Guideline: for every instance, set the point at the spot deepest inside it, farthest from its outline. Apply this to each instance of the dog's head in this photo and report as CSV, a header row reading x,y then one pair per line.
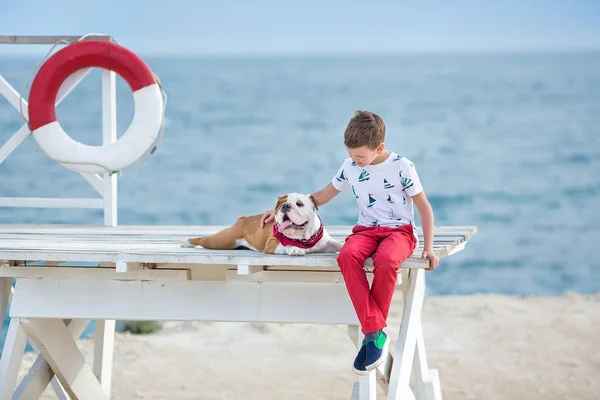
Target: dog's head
x,y
295,215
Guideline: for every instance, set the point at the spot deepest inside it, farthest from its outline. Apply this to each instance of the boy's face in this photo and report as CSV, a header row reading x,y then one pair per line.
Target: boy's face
x,y
364,155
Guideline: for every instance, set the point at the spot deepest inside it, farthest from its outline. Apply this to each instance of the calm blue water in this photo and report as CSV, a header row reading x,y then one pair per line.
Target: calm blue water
x,y
508,143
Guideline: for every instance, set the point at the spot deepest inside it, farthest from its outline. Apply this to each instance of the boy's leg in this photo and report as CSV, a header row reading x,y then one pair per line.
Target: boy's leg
x,y
359,246
393,249
397,244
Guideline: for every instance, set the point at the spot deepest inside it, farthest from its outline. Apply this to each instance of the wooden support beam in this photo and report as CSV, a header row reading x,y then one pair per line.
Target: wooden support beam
x,y
41,374
64,357
193,300
94,274
46,39
12,355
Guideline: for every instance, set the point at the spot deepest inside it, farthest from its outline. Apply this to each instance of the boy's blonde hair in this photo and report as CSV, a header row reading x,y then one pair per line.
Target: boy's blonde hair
x,y
364,129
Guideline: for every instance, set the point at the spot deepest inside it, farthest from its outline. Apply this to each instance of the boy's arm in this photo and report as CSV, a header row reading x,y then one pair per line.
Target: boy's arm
x,y
325,195
322,197
427,223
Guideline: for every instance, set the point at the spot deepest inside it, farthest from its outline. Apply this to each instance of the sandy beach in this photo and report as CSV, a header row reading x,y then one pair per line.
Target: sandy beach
x,y
486,347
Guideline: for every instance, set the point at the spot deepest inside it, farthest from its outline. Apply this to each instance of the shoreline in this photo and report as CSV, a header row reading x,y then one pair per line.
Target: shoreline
x,y
485,346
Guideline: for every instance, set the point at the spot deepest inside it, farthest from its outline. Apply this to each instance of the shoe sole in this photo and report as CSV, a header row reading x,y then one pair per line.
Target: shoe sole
x,y
359,372
380,360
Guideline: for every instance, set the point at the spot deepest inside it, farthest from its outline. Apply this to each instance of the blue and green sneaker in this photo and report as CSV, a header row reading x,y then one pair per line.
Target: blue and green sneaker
x,y
376,345
359,362
371,353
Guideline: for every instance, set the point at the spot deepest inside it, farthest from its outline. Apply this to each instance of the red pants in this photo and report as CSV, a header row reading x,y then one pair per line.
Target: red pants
x,y
388,247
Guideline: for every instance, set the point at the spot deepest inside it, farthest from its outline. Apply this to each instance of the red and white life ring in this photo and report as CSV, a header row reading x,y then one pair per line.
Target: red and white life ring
x,y
140,135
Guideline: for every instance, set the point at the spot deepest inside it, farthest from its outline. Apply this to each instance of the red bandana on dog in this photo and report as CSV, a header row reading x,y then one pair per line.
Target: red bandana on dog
x,y
302,243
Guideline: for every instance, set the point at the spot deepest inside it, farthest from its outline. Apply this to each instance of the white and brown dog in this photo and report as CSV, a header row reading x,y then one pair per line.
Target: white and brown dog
x,y
297,230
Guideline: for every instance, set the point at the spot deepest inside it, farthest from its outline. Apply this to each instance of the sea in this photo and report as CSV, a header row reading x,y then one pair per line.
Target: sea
x,y
509,143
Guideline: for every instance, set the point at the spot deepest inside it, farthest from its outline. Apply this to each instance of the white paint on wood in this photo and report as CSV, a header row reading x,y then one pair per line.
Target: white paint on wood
x,y
50,202
121,266
407,338
290,276
109,136
245,269
103,353
95,180
12,355
64,357
193,300
40,374
13,97
15,140
94,274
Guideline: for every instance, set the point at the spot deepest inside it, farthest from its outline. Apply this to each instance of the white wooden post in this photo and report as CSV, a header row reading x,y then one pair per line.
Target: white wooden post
x,y
12,355
105,329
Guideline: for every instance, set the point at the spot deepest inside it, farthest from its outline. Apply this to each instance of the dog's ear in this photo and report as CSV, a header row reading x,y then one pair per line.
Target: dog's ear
x,y
312,198
280,200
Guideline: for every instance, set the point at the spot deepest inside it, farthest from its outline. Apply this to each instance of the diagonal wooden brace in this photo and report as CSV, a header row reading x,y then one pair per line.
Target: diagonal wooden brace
x,y
58,347
410,354
41,374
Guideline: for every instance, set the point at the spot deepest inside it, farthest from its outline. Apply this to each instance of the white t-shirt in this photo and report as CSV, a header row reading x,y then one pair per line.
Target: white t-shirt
x,y
383,191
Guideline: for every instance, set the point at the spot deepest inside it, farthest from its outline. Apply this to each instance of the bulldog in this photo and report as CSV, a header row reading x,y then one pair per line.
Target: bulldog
x,y
296,231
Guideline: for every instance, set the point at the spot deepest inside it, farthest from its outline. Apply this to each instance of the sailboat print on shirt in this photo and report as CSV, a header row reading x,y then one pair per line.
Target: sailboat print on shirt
x,y
353,191
406,182
387,185
389,199
342,177
371,201
397,158
364,176
393,217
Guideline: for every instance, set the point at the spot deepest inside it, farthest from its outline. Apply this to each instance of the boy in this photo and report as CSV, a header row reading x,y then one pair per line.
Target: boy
x,y
385,186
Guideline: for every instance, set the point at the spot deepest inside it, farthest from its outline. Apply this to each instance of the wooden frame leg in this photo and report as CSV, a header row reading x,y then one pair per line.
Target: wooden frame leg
x,y
410,357
365,388
59,349
407,339
103,353
41,374
12,355
5,295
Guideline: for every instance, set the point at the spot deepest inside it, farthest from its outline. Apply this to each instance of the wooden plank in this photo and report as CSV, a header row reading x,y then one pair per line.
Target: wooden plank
x,y
104,341
44,39
289,276
194,300
174,257
183,230
407,337
50,202
12,355
91,273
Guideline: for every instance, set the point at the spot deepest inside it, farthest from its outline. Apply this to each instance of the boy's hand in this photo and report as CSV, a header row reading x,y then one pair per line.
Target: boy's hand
x,y
433,259
266,217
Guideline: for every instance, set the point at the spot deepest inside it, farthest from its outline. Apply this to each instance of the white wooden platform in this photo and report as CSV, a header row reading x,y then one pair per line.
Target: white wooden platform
x,y
144,274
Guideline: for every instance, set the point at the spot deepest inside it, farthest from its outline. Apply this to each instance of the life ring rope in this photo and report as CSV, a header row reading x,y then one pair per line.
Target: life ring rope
x,y
110,171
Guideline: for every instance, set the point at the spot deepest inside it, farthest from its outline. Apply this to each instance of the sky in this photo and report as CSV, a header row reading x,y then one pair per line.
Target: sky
x,y
309,26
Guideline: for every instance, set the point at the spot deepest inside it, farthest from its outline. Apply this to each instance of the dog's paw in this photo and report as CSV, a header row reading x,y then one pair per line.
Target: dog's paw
x,y
186,244
295,251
